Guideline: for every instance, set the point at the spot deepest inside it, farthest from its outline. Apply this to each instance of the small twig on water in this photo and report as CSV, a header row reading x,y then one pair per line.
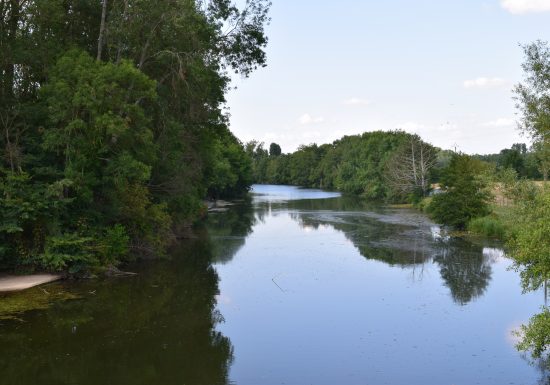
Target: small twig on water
x,y
273,279
44,290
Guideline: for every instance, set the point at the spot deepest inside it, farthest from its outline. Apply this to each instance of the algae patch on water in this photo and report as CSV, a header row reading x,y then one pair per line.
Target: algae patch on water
x,y
14,304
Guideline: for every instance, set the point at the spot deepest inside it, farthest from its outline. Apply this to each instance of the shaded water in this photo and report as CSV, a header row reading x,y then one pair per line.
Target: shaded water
x,y
296,287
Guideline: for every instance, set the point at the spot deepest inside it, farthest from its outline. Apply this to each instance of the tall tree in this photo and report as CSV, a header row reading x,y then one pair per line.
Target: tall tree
x,y
533,96
465,193
274,149
408,171
112,151
100,39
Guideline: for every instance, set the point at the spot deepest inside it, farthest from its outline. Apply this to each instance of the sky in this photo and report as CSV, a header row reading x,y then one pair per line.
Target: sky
x,y
443,69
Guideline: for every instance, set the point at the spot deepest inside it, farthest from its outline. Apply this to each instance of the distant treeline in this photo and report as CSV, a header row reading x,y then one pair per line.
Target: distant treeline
x,y
377,165
381,165
526,162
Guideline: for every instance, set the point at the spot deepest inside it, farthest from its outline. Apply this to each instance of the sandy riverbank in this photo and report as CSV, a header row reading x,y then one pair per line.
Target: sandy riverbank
x,y
22,282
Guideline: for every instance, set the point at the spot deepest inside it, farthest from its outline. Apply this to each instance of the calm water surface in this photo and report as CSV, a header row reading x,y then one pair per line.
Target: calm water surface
x,y
295,287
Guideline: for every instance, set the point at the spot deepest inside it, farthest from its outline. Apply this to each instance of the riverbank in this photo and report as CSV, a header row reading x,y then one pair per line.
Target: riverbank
x,y
10,283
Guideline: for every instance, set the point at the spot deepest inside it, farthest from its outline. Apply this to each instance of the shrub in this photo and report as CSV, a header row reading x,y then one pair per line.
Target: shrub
x,y
465,195
70,252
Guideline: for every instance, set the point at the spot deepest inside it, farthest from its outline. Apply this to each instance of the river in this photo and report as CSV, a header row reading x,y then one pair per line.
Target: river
x,y
295,286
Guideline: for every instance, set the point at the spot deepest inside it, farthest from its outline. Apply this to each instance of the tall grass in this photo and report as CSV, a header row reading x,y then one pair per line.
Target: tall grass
x,y
489,226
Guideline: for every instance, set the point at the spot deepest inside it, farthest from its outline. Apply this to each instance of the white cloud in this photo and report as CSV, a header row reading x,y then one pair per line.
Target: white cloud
x,y
483,82
357,102
500,122
525,6
308,119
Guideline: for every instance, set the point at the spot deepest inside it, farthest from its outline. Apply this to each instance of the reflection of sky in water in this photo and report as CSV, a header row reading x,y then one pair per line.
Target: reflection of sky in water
x,y
274,193
331,293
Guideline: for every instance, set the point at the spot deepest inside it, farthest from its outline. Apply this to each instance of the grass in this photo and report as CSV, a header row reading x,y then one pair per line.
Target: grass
x,y
490,226
498,224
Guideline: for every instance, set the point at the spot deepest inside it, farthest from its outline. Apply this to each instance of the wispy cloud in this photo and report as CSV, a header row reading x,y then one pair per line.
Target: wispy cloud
x,y
308,119
519,7
484,82
500,122
357,102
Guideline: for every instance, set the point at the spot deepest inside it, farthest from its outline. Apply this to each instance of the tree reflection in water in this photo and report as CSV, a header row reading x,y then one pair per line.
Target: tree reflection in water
x,y
404,238
398,237
155,328
228,230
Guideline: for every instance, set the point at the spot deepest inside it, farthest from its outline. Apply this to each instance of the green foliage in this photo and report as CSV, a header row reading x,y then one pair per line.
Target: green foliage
x,y
352,164
524,161
104,160
530,240
67,251
465,193
231,168
423,204
535,336
28,209
113,247
488,226
530,243
274,149
533,101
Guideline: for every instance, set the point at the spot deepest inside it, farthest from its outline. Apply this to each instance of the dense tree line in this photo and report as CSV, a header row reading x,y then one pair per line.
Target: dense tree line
x,y
112,123
378,165
525,161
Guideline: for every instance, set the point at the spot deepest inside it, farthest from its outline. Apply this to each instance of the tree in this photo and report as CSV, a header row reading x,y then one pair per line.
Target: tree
x,y
530,247
513,158
542,154
465,195
115,150
529,243
533,97
409,169
274,149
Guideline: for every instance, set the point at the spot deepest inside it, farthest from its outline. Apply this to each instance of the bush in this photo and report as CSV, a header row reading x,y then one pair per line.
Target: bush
x,y
465,195
113,248
68,251
423,204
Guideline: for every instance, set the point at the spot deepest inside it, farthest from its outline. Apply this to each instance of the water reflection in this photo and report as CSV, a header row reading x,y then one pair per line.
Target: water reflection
x,y
465,269
337,291
312,291
396,236
407,239
156,328
228,230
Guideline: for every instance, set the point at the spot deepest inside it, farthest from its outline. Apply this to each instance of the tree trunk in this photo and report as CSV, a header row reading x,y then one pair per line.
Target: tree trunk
x,y
119,43
101,30
10,36
414,164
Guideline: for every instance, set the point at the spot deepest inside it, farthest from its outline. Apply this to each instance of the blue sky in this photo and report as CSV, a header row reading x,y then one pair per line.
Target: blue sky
x,y
443,69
